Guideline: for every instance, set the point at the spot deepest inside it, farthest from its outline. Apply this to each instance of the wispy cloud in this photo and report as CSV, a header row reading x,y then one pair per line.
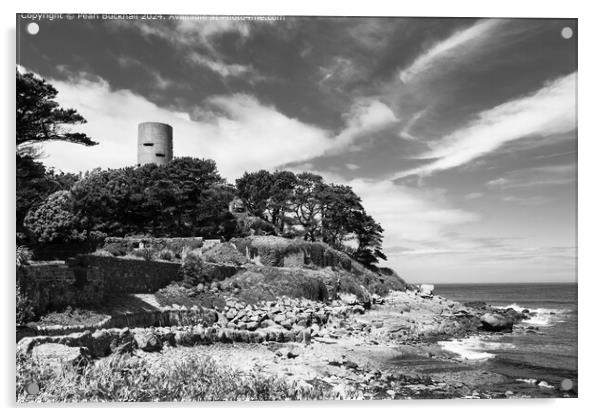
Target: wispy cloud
x,y
196,39
534,177
550,110
406,132
447,47
474,195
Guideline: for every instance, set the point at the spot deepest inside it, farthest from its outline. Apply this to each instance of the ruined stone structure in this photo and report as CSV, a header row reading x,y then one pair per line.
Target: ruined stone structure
x,y
155,143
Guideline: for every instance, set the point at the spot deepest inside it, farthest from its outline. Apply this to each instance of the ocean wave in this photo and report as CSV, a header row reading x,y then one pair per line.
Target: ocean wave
x,y
540,316
474,348
535,382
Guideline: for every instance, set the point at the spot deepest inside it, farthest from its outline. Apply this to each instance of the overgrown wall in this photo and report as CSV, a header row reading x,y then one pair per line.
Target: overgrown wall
x,y
54,285
128,275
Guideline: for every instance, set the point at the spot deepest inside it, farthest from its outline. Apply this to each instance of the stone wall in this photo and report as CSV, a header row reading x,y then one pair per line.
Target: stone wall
x,y
87,280
126,275
55,285
125,245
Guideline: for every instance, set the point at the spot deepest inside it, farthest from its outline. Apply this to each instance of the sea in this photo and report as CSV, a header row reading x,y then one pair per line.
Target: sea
x,y
539,358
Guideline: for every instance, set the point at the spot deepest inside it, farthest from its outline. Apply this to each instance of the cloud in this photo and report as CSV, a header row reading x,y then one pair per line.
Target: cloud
x,y
366,116
237,131
474,195
474,34
226,70
548,111
405,133
535,177
197,39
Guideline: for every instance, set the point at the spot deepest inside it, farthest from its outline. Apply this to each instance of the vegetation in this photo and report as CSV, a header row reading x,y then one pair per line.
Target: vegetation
x,y
24,308
71,316
186,197
125,378
304,205
40,119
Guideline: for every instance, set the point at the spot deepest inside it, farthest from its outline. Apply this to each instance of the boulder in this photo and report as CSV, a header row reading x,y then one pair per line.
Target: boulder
x,y
426,291
349,298
123,341
496,323
147,341
56,355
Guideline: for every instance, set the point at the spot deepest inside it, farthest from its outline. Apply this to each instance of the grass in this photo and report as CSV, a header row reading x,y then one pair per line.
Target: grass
x,y
225,253
70,317
176,293
259,283
126,378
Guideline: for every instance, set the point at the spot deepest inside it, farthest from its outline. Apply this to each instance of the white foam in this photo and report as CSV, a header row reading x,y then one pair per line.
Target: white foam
x,y
541,316
527,380
474,348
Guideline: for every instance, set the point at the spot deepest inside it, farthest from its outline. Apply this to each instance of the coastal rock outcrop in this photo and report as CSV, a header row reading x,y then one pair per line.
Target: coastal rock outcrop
x,y
496,323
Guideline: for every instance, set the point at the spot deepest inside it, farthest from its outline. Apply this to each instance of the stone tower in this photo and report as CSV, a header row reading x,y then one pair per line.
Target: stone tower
x,y
155,143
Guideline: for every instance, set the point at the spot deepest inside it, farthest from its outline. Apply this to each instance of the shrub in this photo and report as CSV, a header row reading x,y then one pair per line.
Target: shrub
x,y
25,312
145,253
24,256
225,253
103,253
166,254
193,270
260,283
115,249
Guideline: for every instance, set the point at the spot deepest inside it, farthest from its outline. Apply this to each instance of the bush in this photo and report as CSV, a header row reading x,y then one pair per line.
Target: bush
x,y
259,283
145,253
193,270
115,249
166,254
24,256
224,253
25,312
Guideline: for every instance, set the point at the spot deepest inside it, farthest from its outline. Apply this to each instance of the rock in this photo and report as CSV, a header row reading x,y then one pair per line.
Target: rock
x,y
358,309
426,291
306,336
252,326
286,324
147,341
25,345
475,304
101,343
348,298
267,323
496,323
222,320
56,355
123,342
185,338
285,352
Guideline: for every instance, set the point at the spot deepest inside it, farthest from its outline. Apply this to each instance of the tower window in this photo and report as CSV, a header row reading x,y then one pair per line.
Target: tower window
x,y
160,154
148,144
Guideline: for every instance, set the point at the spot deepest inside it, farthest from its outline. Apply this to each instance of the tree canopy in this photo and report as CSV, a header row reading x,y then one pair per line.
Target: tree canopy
x,y
304,205
40,118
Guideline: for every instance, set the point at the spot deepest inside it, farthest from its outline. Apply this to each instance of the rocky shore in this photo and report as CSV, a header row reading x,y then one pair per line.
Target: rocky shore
x,y
386,348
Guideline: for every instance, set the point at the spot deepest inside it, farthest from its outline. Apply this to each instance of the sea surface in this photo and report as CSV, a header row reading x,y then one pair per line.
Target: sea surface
x,y
541,353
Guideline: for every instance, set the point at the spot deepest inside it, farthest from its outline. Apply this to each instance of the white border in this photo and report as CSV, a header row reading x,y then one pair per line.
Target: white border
x,y
589,189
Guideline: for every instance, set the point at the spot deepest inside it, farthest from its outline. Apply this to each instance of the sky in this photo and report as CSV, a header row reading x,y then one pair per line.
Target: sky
x,y
459,134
